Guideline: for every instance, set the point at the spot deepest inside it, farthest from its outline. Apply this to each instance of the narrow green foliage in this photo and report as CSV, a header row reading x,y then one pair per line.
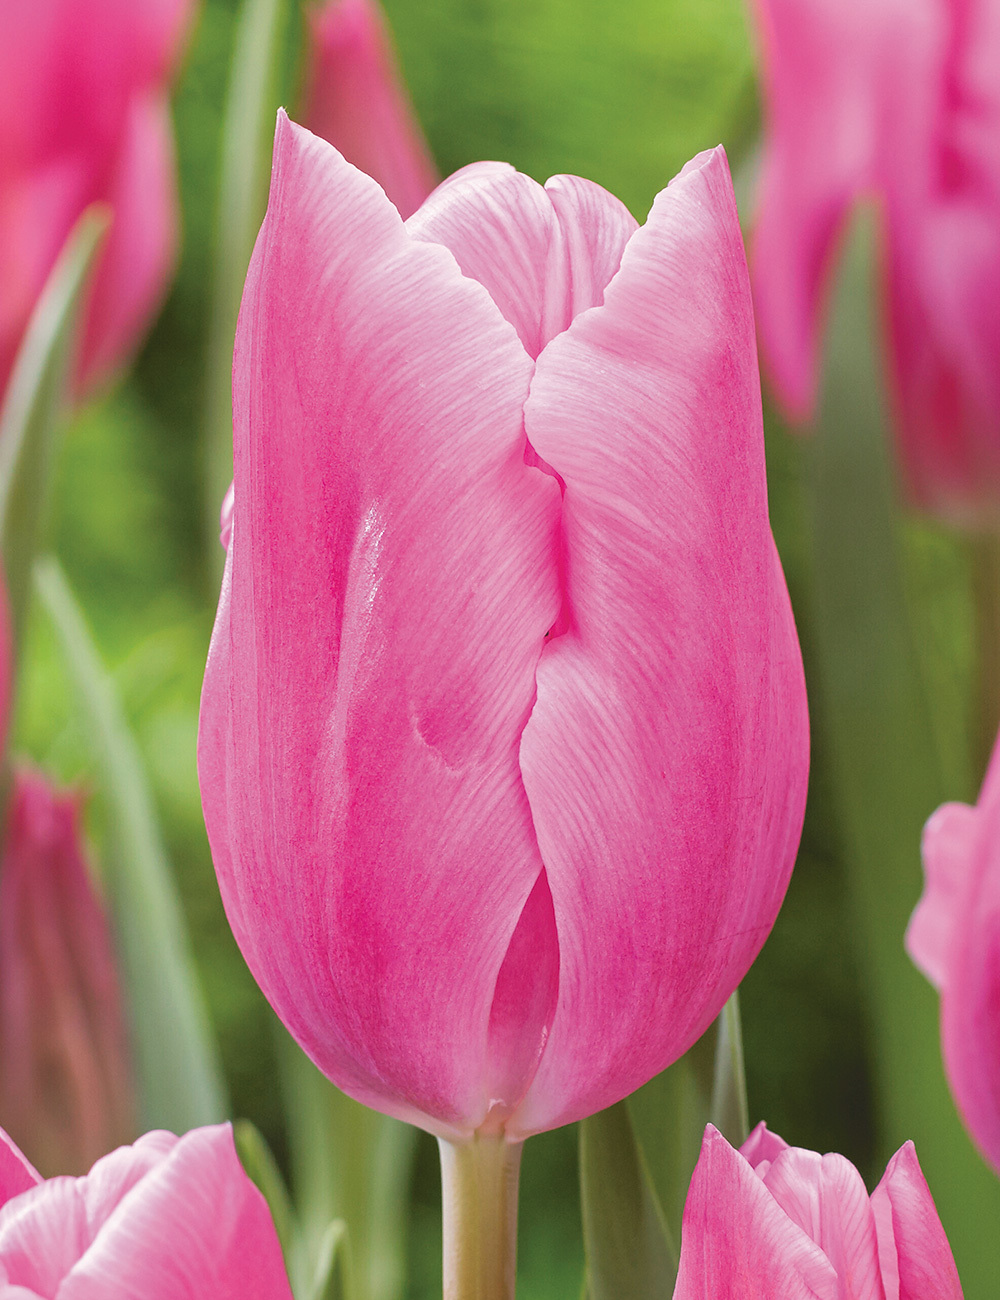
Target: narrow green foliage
x,y
180,1081
629,1250
260,1165
729,1110
333,1269
33,408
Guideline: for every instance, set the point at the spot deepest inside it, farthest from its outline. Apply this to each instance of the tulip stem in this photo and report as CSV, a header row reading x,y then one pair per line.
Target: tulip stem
x,y
986,598
479,1181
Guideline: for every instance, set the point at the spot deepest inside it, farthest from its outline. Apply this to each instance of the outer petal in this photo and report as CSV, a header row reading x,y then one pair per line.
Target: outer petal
x,y
666,756
356,99
392,572
911,1238
826,66
736,1241
948,848
17,1174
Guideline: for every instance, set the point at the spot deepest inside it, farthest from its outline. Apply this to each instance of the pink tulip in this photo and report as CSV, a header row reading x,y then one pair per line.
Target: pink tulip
x,y
503,741
774,1222
84,118
355,98
954,937
897,101
65,1075
163,1219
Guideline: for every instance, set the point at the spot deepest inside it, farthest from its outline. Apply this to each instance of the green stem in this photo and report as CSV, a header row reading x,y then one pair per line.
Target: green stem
x,y
479,1180
985,568
730,1109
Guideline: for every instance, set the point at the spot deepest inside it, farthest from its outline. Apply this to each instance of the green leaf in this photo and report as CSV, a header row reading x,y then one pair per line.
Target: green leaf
x,y
350,1163
180,1080
261,1167
333,1269
884,757
630,1254
247,128
33,408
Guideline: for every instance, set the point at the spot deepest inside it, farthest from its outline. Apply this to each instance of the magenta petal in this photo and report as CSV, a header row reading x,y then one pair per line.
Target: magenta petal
x,y
666,756
947,848
738,1244
16,1173
391,575
762,1147
911,1238
543,254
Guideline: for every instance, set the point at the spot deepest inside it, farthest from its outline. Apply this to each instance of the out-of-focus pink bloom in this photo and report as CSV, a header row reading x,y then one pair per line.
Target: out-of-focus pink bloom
x,y
164,1218
503,741
84,118
954,937
65,1078
897,100
774,1222
355,98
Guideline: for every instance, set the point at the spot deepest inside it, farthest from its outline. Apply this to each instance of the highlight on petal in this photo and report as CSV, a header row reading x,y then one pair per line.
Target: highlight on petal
x,y
737,1243
355,99
391,577
912,1241
665,757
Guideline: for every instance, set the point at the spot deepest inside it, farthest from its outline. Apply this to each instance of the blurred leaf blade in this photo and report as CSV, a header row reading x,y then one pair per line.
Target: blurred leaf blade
x,y
181,1084
629,1251
262,1169
333,1268
730,1112
33,407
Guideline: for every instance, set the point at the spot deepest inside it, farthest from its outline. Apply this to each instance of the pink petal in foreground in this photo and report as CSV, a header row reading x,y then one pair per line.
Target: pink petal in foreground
x,y
355,98
736,1241
17,1175
911,1238
392,573
665,758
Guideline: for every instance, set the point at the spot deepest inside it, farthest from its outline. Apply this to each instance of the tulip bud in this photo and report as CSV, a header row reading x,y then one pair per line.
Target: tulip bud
x,y
164,1218
65,1079
772,1221
503,746
896,100
84,118
954,938
355,98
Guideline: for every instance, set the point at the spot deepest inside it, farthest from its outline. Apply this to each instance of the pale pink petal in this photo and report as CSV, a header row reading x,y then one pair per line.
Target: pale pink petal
x,y
355,98
736,1241
391,576
665,759
911,1239
135,263
826,1197
762,1146
949,843
544,254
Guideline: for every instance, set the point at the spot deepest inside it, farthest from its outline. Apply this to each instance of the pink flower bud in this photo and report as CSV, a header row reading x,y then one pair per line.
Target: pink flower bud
x,y
65,1079
954,937
84,118
898,101
355,98
164,1218
503,739
772,1221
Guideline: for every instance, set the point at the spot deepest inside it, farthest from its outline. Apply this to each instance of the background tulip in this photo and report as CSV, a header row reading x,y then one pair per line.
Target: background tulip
x,y
772,1220
503,737
897,101
954,937
84,118
163,1218
355,98
65,1073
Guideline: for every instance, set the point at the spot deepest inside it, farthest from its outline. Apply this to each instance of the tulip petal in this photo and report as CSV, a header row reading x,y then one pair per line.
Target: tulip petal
x,y
543,254
391,575
16,1173
912,1241
665,759
762,1147
736,1241
947,848
826,1197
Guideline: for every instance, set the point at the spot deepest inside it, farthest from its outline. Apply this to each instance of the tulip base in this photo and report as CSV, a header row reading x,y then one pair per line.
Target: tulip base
x,y
479,1183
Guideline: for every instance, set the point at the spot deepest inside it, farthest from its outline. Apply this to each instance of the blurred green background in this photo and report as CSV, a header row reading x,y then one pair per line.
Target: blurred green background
x,y
623,94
